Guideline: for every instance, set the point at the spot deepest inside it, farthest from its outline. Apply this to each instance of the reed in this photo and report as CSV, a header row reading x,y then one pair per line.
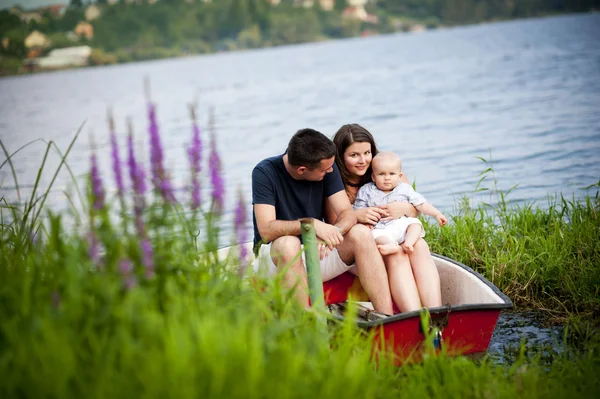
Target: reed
x,y
542,257
137,306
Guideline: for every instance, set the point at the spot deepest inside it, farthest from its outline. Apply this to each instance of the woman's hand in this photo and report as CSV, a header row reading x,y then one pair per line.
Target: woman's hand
x,y
398,209
370,215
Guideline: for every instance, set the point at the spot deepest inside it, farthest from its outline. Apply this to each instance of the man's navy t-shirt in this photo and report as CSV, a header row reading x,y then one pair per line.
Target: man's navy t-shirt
x,y
293,199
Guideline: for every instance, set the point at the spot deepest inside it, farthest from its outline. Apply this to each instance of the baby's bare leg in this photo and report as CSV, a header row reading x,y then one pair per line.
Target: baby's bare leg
x,y
386,246
413,233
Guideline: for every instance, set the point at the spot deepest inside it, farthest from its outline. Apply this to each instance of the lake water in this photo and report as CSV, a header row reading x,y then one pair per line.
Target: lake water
x,y
527,92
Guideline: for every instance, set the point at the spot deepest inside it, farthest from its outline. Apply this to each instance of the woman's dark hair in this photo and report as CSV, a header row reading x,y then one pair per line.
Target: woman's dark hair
x,y
346,136
308,148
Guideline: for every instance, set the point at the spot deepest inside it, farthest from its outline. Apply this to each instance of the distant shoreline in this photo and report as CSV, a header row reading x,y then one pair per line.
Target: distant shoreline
x,y
23,70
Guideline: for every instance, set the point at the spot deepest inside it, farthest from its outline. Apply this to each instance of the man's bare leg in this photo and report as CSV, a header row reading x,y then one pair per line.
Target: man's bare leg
x,y
413,233
402,282
359,247
386,246
286,251
426,275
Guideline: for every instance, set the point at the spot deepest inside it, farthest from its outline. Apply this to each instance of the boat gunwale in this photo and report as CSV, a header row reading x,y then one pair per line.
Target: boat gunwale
x,y
443,310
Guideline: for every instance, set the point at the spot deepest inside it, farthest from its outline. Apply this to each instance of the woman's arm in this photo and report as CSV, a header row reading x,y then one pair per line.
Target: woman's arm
x,y
398,209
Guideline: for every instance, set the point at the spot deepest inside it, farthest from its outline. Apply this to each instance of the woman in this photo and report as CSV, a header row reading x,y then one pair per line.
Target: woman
x,y
410,288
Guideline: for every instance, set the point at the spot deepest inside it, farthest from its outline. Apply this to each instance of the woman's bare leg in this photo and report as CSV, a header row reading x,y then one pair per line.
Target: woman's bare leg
x,y
359,247
426,275
402,282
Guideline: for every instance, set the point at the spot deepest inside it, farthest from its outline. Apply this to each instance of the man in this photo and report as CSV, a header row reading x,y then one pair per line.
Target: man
x,y
295,185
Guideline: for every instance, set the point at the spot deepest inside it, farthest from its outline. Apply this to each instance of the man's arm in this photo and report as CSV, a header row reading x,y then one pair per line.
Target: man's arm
x,y
346,218
269,227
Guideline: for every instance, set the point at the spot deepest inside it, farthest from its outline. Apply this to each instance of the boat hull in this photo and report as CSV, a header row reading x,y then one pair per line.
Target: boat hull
x,y
464,324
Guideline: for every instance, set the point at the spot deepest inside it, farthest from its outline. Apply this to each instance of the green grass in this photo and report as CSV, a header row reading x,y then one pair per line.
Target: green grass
x,y
543,258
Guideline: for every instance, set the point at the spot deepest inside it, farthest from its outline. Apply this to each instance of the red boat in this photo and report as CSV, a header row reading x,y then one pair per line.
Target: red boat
x,y
464,325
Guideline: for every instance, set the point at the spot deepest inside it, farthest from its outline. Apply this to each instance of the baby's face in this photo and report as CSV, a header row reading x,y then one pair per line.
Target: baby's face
x,y
386,174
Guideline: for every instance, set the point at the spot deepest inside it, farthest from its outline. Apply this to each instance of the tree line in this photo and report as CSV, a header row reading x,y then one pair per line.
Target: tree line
x,y
175,27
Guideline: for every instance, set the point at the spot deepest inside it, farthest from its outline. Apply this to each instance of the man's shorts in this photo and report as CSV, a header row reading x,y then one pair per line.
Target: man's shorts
x,y
395,230
331,266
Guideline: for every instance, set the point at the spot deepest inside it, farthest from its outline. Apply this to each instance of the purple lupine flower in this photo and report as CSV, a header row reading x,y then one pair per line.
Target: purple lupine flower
x,y
136,171
195,158
240,229
126,269
96,180
116,163
94,249
196,199
160,179
214,165
147,257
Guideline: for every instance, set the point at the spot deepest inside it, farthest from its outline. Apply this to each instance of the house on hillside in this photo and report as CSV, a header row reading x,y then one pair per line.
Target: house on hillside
x,y
36,39
56,10
327,5
358,12
92,12
84,29
28,16
65,57
356,3
417,28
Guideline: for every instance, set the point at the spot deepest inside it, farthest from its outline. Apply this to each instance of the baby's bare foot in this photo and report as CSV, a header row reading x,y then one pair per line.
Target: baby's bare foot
x,y
388,249
408,248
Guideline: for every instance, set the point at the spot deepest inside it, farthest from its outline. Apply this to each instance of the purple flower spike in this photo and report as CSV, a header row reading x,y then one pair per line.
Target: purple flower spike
x,y
214,165
136,171
195,158
97,188
147,258
94,249
116,163
195,150
196,199
160,179
126,269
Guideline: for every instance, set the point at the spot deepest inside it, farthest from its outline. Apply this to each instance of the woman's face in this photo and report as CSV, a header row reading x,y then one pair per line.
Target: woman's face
x,y
357,158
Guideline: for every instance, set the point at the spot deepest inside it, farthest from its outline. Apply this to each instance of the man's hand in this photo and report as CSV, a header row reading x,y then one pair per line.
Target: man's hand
x,y
329,234
323,251
370,215
441,219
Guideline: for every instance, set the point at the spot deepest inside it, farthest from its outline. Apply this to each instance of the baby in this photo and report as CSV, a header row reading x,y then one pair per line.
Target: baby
x,y
387,187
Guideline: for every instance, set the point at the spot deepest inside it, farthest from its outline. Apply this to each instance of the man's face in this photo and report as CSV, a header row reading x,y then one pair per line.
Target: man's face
x,y
318,173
